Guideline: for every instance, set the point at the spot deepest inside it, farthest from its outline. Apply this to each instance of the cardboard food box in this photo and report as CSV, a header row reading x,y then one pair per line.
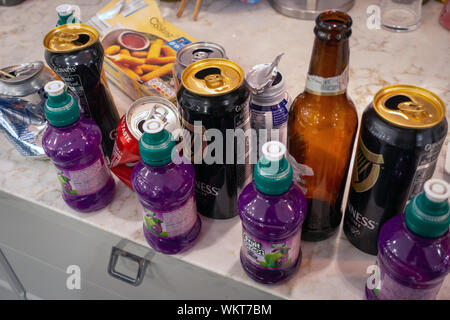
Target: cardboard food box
x,y
140,47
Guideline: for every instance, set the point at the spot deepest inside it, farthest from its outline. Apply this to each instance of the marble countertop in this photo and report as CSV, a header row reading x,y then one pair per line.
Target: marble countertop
x,y
251,34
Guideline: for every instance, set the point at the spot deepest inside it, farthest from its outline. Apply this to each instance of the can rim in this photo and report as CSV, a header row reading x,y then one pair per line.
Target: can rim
x,y
212,62
71,26
15,80
148,99
431,96
206,44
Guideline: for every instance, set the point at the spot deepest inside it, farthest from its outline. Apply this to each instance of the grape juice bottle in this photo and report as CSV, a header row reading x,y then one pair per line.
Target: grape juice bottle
x,y
272,210
73,143
166,192
414,248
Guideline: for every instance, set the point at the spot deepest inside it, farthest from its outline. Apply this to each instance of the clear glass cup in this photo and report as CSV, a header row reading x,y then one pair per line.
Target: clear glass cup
x,y
400,15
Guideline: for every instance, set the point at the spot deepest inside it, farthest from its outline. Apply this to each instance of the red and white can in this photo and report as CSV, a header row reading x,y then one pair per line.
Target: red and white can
x,y
126,147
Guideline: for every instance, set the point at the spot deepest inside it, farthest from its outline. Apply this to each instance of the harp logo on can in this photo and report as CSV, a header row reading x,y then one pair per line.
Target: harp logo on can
x,y
367,168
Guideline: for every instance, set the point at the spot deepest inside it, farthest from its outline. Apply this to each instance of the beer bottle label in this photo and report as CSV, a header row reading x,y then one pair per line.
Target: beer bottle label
x,y
327,86
271,255
173,223
85,180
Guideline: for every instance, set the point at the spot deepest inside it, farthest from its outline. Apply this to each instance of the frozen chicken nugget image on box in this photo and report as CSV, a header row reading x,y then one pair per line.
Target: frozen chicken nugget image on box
x,y
141,33
129,72
138,70
112,50
139,54
128,60
155,49
168,51
125,52
149,67
162,71
160,60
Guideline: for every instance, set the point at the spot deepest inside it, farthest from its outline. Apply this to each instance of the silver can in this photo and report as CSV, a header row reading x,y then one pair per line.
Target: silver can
x,y
269,104
22,100
147,108
194,52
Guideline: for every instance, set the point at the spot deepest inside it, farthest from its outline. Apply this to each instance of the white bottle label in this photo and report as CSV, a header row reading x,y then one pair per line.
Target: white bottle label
x,y
327,86
173,223
84,181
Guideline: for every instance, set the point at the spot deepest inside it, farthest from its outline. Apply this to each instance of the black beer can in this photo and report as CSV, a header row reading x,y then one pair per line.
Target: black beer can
x,y
213,100
74,53
402,133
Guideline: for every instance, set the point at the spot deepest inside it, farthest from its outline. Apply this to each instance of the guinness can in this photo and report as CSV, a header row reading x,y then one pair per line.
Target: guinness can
x,y
195,52
214,105
74,53
402,133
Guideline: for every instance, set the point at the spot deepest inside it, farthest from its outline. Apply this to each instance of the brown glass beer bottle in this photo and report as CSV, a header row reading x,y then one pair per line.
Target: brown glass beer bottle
x,y
322,125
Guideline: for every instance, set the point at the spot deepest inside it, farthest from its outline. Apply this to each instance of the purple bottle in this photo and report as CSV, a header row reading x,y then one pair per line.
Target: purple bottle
x,y
272,210
73,143
414,248
166,192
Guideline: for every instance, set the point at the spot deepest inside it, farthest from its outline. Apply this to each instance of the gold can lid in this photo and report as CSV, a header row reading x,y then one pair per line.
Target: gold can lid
x,y
409,106
70,37
212,77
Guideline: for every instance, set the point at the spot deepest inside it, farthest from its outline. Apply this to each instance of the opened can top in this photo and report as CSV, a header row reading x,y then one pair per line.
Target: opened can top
x,y
70,37
212,77
198,51
409,106
148,108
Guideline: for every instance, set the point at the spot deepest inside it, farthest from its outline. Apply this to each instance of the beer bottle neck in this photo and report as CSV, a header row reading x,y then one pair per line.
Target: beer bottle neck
x,y
328,69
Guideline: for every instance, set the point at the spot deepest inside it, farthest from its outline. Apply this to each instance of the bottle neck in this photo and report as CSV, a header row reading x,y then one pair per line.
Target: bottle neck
x,y
67,127
329,67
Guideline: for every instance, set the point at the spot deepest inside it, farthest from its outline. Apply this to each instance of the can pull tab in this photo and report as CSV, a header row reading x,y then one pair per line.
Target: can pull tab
x,y
201,54
214,81
160,113
63,40
66,37
412,110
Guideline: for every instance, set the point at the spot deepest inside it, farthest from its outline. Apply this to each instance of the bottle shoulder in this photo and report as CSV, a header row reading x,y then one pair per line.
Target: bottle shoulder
x,y
272,215
327,102
323,111
411,257
72,145
163,188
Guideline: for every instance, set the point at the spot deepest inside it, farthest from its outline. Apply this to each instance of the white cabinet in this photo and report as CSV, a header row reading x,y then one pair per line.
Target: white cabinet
x,y
41,245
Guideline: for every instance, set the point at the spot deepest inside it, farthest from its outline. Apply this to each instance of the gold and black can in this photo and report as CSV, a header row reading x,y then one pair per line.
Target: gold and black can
x,y
214,107
402,133
74,53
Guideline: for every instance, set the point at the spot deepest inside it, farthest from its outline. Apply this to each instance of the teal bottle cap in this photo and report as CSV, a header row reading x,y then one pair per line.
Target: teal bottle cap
x,y
61,109
428,214
64,10
273,173
68,13
156,144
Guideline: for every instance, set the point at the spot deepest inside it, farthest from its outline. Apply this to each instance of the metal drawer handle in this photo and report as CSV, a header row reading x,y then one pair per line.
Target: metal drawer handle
x,y
143,263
